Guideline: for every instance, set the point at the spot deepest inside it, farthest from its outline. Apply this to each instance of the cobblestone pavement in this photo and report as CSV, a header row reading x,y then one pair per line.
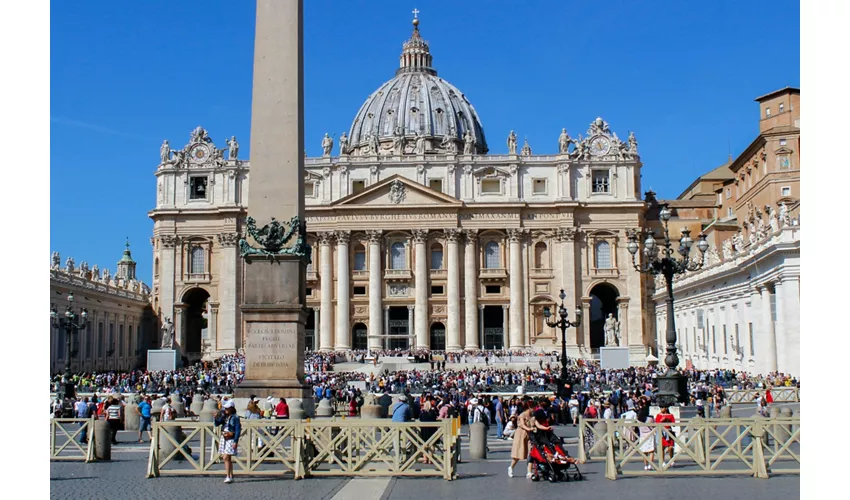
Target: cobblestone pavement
x,y
478,479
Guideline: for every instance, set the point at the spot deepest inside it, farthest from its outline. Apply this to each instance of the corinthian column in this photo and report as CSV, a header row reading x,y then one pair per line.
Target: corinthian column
x,y
470,285
376,329
343,291
420,319
453,292
516,279
326,286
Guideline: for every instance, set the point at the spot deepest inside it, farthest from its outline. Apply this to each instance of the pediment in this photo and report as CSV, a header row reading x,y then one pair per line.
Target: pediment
x,y
491,172
397,191
783,151
311,176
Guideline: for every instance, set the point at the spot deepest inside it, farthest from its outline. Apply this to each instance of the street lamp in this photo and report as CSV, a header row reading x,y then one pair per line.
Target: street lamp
x,y
72,323
562,324
661,261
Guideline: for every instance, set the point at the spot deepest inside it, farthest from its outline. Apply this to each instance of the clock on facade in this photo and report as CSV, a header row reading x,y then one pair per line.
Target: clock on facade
x,y
599,146
199,154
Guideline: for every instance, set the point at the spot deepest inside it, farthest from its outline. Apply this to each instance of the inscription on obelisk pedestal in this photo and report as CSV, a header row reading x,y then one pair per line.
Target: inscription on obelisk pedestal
x,y
271,350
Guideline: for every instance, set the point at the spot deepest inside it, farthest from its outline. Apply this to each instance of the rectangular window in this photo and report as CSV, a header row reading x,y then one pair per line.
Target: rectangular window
x,y
198,188
436,290
700,318
781,107
359,261
357,186
493,289
437,258
309,292
752,340
782,142
436,185
729,212
491,186
309,189
725,342
196,260
601,181
728,193
360,290
538,186
767,112
786,191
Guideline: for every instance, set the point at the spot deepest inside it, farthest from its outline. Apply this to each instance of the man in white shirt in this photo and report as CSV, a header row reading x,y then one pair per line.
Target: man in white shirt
x,y
608,413
574,407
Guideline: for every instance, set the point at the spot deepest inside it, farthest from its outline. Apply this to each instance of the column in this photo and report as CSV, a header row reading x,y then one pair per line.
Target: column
x,y
224,337
481,326
623,318
566,236
410,323
167,276
470,285
420,326
791,322
386,341
179,328
317,327
376,329
453,292
585,323
326,341
505,324
212,332
779,327
343,291
766,348
516,279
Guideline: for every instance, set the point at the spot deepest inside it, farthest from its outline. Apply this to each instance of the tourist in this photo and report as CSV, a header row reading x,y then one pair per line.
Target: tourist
x,y
667,434
114,417
82,410
232,428
573,406
519,448
401,412
427,415
646,437
281,411
144,411
167,412
253,412
500,417
510,428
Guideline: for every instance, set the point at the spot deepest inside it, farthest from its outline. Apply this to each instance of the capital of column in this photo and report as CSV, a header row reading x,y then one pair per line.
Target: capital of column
x,y
505,306
566,234
585,301
481,307
410,307
471,235
453,235
228,239
325,237
374,236
386,307
342,237
420,235
515,235
316,310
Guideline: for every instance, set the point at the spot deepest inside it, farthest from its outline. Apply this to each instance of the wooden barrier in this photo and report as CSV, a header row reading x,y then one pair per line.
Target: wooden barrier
x,y
326,447
64,434
748,396
758,447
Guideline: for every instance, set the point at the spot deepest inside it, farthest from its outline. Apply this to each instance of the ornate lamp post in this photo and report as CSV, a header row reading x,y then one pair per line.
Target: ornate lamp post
x,y
562,324
72,323
672,386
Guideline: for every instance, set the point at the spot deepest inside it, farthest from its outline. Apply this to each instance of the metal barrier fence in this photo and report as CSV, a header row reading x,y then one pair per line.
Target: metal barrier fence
x,y
779,394
345,447
65,436
752,446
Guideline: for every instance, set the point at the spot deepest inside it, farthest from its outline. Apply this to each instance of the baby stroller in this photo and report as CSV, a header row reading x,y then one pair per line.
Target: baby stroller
x,y
550,459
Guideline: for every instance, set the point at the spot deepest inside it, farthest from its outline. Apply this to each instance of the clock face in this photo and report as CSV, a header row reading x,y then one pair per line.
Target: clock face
x,y
599,146
199,153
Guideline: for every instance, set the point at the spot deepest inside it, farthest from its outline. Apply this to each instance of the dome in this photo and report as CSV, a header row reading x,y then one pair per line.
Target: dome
x,y
416,112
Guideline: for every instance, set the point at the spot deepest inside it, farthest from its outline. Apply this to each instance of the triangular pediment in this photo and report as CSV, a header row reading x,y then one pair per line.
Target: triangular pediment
x,y
783,151
491,172
397,191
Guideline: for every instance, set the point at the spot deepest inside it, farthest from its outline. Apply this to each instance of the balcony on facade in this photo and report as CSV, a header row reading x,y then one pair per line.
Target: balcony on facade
x,y
197,278
438,274
542,273
312,276
493,274
604,273
397,274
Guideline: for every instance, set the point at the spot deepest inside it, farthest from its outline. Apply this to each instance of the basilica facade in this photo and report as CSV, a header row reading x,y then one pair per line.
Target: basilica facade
x,y
421,236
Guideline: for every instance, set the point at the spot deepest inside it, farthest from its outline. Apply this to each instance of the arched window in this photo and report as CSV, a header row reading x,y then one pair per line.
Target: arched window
x,y
603,255
491,255
156,267
397,256
359,257
541,255
436,256
196,260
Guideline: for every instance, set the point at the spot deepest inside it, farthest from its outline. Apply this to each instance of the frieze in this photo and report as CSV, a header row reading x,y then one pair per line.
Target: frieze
x,y
470,216
385,216
228,239
536,216
399,290
169,240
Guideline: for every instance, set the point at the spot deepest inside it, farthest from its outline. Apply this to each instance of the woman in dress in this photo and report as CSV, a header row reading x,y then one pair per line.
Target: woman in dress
x,y
519,448
647,437
666,435
229,439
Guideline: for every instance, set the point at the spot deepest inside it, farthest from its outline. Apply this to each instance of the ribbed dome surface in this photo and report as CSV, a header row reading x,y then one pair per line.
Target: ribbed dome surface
x,y
416,102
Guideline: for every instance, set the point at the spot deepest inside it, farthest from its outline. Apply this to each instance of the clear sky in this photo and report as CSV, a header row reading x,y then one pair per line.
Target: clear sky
x,y
126,75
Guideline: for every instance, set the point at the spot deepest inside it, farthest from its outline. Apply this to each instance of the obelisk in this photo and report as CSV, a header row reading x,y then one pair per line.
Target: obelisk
x,y
274,251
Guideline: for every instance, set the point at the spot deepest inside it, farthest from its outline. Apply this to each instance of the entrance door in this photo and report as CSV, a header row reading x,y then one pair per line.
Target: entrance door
x,y
399,329
310,331
358,333
603,301
494,328
438,337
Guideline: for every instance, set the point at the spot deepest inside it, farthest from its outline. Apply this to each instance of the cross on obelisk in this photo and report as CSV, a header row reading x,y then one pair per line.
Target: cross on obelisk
x,y
274,265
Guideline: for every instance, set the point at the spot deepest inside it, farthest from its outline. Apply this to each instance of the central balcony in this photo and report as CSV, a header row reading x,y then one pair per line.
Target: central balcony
x,y
492,274
397,275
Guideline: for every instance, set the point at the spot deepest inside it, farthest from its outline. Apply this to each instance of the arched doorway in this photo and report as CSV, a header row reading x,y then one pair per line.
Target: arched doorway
x,y
494,328
438,337
310,331
359,333
196,325
603,301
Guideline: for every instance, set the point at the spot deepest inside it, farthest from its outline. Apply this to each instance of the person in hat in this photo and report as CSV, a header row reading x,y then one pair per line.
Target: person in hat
x,y
401,412
607,413
232,428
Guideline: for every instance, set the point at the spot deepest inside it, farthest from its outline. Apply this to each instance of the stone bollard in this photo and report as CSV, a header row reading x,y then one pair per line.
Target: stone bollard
x,y
600,444
177,404
726,411
478,441
370,408
209,411
197,406
132,419
325,409
102,441
787,412
781,431
296,412
166,446
156,407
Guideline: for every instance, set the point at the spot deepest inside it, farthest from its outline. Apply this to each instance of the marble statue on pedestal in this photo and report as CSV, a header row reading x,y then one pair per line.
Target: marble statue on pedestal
x,y
69,265
420,144
468,143
398,141
232,148
343,144
612,328
564,141
167,341
512,143
633,144
55,261
327,145
164,152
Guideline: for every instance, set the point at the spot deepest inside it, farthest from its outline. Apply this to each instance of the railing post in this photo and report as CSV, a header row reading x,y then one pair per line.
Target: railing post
x,y
610,461
153,457
53,437
90,446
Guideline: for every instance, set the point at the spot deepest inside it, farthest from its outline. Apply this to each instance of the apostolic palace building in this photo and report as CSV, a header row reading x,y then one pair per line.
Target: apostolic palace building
x,y
421,237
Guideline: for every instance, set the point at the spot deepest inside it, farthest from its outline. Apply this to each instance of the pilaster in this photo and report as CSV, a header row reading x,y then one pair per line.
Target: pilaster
x,y
420,326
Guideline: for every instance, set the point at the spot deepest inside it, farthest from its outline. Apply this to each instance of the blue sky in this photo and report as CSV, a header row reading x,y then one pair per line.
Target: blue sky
x,y
126,75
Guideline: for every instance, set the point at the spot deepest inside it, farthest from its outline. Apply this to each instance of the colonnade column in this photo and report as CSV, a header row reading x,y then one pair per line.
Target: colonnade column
x,y
516,334
779,327
481,325
505,324
453,292
385,341
343,292
317,316
566,236
768,344
420,320
791,321
470,285
409,320
585,323
376,329
326,341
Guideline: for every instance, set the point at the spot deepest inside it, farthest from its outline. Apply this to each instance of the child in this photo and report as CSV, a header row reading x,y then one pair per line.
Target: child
x,y
510,429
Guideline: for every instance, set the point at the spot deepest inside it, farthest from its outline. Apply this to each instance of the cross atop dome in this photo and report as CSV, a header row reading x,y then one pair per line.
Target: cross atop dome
x,y
415,55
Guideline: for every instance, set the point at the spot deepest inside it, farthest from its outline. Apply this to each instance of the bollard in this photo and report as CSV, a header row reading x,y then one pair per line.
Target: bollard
x,y
132,420
209,411
166,446
370,408
156,407
600,445
102,441
325,408
788,413
478,441
197,406
296,412
726,411
177,404
780,431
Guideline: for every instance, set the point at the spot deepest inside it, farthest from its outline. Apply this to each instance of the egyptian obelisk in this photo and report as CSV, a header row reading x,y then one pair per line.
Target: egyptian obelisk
x,y
274,251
